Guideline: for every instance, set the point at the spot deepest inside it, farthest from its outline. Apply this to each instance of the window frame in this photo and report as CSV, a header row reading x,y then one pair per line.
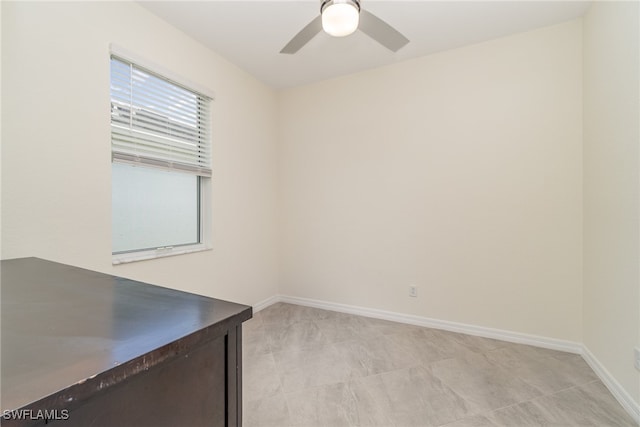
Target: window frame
x,y
205,213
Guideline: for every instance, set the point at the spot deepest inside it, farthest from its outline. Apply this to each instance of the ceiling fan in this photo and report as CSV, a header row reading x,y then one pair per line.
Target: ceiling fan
x,y
340,18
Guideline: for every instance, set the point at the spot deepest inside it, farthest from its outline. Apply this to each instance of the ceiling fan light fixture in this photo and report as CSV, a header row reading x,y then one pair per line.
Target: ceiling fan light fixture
x,y
340,17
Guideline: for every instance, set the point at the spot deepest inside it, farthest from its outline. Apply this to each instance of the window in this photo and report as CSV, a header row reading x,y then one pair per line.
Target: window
x,y
161,167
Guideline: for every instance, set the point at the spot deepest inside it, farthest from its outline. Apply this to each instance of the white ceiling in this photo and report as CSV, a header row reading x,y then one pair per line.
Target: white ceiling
x,y
251,33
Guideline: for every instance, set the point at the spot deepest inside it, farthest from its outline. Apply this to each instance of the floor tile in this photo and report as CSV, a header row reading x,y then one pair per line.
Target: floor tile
x,y
269,411
299,335
525,414
252,324
287,314
587,405
331,405
386,327
284,314
306,367
368,412
548,374
255,342
474,343
427,345
335,405
414,397
375,356
473,421
346,328
311,368
483,384
260,378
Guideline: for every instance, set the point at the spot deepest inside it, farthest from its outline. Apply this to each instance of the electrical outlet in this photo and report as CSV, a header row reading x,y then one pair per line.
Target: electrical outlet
x,y
636,353
413,291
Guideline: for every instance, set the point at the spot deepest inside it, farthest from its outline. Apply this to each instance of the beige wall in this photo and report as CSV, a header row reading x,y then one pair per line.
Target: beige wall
x,y
460,172
611,188
56,175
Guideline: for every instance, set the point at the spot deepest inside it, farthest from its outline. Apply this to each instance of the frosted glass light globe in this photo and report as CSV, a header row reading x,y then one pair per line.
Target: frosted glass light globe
x,y
340,19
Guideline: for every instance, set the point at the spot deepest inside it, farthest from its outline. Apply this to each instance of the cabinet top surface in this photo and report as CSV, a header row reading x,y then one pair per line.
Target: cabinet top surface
x,y
62,325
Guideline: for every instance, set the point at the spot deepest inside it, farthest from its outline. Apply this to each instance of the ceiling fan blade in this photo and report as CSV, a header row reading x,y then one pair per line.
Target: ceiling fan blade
x,y
381,32
303,37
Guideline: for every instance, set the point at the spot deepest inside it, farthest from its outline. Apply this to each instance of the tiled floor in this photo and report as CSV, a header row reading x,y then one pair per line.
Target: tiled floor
x,y
308,367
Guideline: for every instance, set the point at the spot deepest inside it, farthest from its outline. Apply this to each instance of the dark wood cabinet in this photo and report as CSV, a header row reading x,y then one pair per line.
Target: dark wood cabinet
x,y
83,348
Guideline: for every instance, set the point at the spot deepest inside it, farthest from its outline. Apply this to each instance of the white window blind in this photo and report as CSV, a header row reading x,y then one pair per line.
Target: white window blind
x,y
157,122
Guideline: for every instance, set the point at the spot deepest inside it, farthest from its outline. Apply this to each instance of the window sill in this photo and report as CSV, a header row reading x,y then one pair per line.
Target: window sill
x,y
157,253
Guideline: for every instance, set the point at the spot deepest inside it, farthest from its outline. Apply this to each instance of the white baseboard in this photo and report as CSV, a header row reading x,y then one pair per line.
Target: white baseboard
x,y
499,334
621,395
266,303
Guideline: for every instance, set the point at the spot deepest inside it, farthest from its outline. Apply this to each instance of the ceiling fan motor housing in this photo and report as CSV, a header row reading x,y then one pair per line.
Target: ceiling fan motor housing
x,y
326,3
340,18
